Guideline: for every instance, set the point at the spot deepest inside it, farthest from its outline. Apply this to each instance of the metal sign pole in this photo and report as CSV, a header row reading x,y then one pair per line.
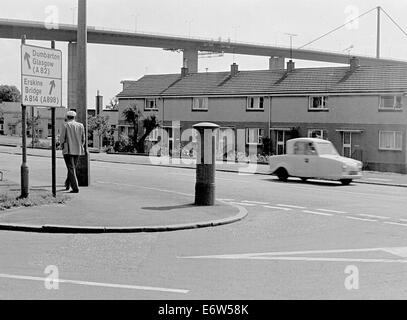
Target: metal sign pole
x,y
53,142
24,167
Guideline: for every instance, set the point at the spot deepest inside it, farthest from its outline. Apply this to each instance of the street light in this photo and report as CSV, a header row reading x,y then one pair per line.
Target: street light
x,y
135,21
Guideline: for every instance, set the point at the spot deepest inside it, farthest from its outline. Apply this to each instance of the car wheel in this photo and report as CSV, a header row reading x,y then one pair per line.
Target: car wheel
x,y
282,174
346,182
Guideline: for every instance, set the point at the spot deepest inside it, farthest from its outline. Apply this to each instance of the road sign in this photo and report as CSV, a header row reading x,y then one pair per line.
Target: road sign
x,y
41,76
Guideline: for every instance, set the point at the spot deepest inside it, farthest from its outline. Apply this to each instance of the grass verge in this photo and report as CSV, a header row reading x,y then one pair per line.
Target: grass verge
x,y
11,199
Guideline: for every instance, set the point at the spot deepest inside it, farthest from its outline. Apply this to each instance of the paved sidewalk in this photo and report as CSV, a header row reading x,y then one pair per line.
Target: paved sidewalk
x,y
101,208
369,177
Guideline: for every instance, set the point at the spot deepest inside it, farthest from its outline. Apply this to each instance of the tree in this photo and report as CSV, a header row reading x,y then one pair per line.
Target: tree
x,y
99,125
113,104
133,115
9,94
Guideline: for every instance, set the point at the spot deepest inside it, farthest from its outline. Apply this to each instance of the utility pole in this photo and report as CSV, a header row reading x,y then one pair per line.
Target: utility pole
x,y
378,33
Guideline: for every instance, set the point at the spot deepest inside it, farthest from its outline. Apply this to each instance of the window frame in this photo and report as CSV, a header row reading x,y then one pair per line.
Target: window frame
x,y
391,148
260,133
146,104
196,105
323,131
257,102
322,107
394,107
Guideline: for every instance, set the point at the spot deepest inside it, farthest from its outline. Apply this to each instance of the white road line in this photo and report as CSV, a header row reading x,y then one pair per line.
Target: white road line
x,y
332,211
225,199
290,206
94,284
378,179
255,202
287,253
244,204
331,259
396,223
278,208
360,219
318,213
373,216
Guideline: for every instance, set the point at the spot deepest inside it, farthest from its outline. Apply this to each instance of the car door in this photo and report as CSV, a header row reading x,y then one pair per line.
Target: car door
x,y
311,161
300,160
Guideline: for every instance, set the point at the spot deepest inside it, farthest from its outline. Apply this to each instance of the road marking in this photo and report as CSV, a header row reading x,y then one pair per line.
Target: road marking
x,y
318,213
255,202
373,216
378,179
94,284
360,219
332,211
290,206
288,256
396,223
278,208
225,199
244,204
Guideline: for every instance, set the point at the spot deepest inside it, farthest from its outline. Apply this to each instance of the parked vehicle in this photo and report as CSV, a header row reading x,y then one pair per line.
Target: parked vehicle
x,y
312,158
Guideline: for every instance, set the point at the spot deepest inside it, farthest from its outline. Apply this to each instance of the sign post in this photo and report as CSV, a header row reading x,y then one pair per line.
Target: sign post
x,y
41,86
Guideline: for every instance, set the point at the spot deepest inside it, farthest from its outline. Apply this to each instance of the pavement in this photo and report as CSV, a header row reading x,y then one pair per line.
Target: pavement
x,y
102,209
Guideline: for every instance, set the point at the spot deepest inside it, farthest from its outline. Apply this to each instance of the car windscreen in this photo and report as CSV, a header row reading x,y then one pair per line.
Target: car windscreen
x,y
326,149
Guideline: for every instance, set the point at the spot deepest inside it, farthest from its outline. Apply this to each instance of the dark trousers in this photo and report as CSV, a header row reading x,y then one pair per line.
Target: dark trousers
x,y
71,161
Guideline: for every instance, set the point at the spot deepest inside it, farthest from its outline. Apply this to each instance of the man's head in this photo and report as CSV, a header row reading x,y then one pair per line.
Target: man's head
x,y
70,115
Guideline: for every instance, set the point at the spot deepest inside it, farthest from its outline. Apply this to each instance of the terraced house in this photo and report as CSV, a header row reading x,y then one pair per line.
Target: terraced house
x,y
361,109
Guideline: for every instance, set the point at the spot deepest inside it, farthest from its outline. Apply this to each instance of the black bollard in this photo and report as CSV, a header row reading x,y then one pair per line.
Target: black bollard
x,y
205,164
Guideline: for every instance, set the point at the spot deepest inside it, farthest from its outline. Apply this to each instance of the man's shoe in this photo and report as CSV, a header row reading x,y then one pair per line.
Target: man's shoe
x,y
74,191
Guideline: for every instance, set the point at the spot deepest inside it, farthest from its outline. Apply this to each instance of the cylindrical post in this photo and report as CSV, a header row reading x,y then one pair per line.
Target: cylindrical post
x,y
81,92
24,167
205,164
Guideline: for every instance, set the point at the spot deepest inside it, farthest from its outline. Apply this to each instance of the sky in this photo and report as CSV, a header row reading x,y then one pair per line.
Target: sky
x,y
253,21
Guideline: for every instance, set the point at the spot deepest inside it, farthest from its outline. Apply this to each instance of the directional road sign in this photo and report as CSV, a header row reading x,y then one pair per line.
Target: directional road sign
x,y
41,76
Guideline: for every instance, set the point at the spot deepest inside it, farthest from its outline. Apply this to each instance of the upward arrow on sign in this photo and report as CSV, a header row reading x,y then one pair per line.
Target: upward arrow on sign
x,y
52,86
27,58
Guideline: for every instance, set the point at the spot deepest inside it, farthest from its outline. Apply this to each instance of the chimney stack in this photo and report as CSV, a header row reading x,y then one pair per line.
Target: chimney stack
x,y
184,69
354,63
99,103
234,69
290,65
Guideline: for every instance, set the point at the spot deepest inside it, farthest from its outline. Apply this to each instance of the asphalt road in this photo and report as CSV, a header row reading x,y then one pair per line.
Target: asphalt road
x,y
299,241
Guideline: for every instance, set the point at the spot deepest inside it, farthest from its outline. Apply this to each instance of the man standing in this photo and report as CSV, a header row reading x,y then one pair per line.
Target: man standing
x,y
72,143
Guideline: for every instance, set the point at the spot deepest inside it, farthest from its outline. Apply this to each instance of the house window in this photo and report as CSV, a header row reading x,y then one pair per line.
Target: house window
x,y
390,140
255,103
1,125
390,103
151,104
318,103
254,135
200,103
317,133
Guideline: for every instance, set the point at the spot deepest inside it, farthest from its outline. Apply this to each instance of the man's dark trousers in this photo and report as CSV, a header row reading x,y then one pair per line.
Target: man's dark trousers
x,y
71,161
